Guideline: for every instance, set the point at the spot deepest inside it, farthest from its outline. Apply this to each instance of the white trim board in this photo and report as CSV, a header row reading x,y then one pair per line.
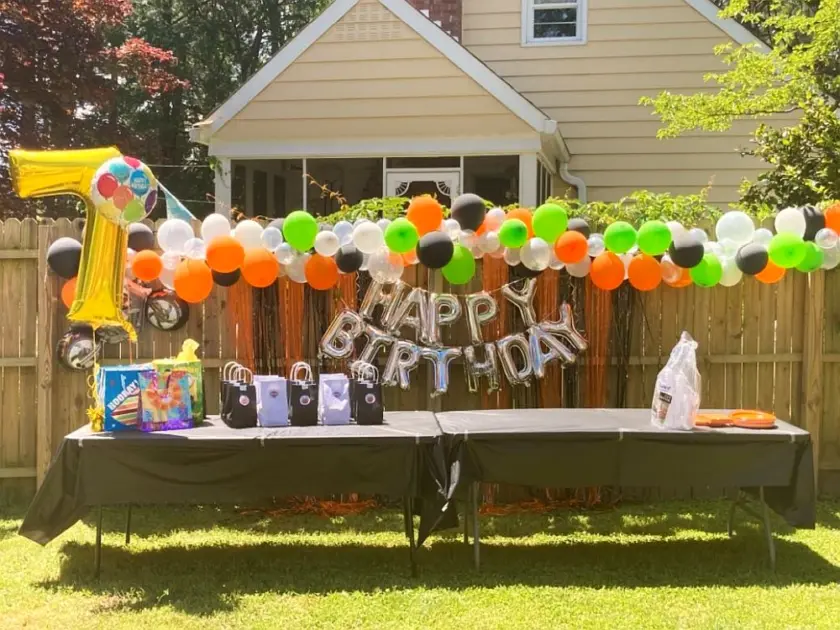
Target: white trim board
x,y
451,49
740,34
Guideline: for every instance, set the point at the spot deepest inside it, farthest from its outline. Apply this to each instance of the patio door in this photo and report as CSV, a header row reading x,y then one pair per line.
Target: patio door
x,y
445,184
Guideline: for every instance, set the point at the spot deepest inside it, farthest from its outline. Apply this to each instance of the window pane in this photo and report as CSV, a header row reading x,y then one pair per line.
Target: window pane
x,y
545,31
560,2
555,16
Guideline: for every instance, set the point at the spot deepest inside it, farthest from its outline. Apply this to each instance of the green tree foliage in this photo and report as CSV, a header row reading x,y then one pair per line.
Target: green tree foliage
x,y
799,74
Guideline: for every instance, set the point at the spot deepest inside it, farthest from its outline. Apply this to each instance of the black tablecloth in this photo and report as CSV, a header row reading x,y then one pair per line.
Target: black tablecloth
x,y
215,464
619,447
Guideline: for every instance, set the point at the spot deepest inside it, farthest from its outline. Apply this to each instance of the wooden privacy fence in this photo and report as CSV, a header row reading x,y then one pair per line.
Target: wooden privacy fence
x,y
768,347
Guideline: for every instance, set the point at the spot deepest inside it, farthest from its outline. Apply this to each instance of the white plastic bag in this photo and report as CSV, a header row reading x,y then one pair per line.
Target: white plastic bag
x,y
334,399
676,398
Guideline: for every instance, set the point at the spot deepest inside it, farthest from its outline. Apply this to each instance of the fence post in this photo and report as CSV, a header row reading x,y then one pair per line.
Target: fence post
x,y
44,357
812,364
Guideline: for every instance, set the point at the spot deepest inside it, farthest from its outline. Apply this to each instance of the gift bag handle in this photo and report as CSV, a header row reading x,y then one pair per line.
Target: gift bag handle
x,y
298,367
371,371
242,372
229,371
358,369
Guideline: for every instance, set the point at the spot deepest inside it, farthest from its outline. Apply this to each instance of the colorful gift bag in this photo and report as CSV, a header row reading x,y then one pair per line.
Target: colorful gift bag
x,y
303,396
272,401
190,363
165,398
118,389
366,396
334,399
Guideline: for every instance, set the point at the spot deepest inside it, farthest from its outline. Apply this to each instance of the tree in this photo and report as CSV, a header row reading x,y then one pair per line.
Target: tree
x,y
800,73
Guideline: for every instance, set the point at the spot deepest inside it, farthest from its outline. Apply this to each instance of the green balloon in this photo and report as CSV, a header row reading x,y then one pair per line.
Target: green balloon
x,y
401,236
813,260
550,221
620,237
708,273
787,250
134,211
461,268
300,229
654,238
513,233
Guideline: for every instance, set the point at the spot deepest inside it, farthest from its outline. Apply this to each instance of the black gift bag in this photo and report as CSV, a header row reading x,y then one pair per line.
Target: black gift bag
x,y
227,387
239,401
366,396
303,396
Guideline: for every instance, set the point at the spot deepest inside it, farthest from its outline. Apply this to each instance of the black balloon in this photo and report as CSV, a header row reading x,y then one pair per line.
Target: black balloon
x,y
165,311
469,211
814,222
349,259
579,225
435,250
752,259
687,252
63,257
226,279
140,237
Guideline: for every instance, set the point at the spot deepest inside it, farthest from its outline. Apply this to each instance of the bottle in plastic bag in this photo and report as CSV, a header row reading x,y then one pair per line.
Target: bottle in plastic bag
x,y
676,397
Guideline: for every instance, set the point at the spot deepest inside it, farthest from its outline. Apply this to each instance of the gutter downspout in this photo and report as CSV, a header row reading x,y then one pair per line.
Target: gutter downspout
x,y
563,169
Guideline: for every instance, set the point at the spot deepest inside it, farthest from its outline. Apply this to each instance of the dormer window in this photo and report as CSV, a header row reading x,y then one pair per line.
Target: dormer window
x,y
553,22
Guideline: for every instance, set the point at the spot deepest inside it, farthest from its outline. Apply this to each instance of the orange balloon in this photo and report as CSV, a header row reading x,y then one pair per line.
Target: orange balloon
x,y
644,272
146,265
193,281
771,274
525,216
409,258
832,217
225,254
68,292
571,247
425,213
321,272
684,280
607,271
260,267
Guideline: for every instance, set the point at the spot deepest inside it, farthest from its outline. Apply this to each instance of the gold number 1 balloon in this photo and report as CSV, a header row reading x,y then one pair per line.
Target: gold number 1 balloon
x,y
117,191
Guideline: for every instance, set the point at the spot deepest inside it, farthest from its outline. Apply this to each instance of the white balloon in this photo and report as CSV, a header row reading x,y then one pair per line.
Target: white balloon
x,y
358,222
535,254
676,228
826,238
762,236
555,262
284,254
699,234
731,274
296,270
248,233
494,219
596,245
626,259
581,268
791,221
831,258
167,278
383,224
489,242
730,247
327,243
713,247
365,262
735,225
344,231
215,225
173,235
170,260
670,272
195,249
385,267
452,227
477,252
512,257
468,239
499,253
129,256
368,238
271,238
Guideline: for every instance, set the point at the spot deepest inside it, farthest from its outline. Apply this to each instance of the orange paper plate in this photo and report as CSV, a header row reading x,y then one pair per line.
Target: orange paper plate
x,y
713,420
750,419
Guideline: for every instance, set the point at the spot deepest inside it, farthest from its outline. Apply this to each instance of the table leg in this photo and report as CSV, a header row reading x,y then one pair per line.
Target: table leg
x,y
408,513
475,524
763,518
467,510
730,522
97,550
128,525
768,529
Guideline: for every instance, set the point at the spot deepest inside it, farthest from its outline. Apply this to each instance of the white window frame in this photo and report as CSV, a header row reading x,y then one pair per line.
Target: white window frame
x,y
528,10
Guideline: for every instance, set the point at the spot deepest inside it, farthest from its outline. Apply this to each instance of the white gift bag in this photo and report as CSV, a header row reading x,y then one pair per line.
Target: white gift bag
x,y
334,399
676,397
272,401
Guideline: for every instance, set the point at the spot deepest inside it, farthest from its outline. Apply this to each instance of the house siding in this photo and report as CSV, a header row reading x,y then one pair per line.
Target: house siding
x,y
634,48
371,76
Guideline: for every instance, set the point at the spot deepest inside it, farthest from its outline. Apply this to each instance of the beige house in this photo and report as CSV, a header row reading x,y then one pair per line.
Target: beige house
x,y
512,99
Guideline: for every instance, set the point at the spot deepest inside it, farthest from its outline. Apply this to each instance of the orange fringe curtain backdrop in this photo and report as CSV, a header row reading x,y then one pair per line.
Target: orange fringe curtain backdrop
x,y
550,387
598,320
495,275
290,298
240,319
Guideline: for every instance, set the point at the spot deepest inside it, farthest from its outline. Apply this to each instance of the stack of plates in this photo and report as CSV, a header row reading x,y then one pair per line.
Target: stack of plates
x,y
743,418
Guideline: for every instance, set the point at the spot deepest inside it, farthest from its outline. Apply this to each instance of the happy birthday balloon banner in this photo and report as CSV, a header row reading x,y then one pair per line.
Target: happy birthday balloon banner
x,y
521,355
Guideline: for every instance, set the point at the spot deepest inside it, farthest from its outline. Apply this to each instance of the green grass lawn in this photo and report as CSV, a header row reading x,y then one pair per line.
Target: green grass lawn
x,y
654,566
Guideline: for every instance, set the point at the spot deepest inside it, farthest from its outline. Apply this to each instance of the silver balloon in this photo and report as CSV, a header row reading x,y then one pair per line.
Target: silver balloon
x,y
403,359
337,342
523,299
444,310
441,358
376,340
399,313
379,294
481,309
557,350
476,369
565,327
515,375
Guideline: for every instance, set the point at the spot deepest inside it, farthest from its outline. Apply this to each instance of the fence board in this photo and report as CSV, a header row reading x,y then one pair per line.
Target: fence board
x,y
714,391
766,343
752,321
783,340
12,402
734,345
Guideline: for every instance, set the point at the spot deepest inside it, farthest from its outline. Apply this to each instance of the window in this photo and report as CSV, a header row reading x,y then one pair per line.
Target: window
x,y
554,21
